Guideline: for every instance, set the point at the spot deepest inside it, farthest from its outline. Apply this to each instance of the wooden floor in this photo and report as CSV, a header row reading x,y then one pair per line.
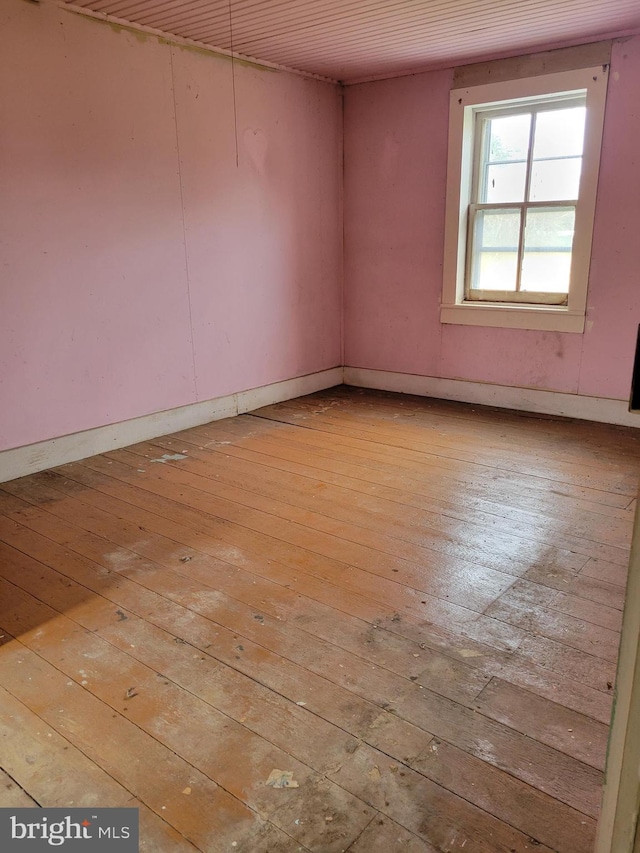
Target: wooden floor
x,y
411,607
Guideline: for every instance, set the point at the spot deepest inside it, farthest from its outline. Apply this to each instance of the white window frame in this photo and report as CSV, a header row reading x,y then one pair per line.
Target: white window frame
x,y
464,103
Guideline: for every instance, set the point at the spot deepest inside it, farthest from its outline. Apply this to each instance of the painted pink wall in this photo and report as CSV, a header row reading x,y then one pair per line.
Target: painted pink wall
x,y
140,268
395,158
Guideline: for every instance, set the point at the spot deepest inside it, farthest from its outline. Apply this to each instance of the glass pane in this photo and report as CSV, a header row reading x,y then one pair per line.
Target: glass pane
x,y
509,138
559,133
555,180
546,261
495,249
496,271
545,273
549,227
504,168
505,183
499,229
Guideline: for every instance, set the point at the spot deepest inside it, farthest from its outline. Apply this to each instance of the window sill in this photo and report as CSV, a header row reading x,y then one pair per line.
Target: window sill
x,y
507,316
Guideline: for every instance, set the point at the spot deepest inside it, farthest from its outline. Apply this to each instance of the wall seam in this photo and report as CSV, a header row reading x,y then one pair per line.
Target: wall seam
x,y
184,226
341,93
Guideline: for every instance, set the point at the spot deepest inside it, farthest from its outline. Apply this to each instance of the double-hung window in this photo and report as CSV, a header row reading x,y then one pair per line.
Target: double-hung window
x,y
521,192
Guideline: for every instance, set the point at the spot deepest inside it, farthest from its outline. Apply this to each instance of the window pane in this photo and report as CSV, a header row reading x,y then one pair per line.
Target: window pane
x,y
549,227
545,273
496,271
505,183
499,229
509,138
495,249
559,133
555,180
548,238
505,156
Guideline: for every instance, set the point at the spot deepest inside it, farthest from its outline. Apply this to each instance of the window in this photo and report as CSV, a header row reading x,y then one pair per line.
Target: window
x,y
521,190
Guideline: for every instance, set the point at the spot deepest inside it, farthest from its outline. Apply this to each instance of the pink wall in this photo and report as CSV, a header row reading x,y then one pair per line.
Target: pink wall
x,y
140,269
395,158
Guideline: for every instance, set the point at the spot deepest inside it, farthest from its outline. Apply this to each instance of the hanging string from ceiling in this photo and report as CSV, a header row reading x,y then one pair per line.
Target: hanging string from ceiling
x,y
233,85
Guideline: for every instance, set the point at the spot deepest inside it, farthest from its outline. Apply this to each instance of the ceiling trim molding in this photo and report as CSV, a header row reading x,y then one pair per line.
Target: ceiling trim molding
x,y
170,38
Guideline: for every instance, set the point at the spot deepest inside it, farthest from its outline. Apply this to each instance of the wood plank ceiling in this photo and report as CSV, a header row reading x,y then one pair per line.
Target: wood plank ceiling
x,y
349,40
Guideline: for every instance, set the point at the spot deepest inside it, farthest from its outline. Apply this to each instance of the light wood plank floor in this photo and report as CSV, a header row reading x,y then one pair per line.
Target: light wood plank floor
x,y
411,606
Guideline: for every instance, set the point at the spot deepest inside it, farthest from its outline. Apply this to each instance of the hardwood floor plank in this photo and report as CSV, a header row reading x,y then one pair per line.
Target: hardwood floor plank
x,y
411,605
393,471
108,681
249,437
447,824
58,775
47,765
386,649
336,703
473,535
572,733
588,611
407,545
405,436
506,611
154,546
12,796
597,672
563,478
604,571
242,561
561,827
526,592
430,712
579,584
236,528
517,607
581,692
383,835
562,777
209,817
463,425
370,463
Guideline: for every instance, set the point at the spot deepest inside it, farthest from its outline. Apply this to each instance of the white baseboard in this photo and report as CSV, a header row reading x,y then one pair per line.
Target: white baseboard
x,y
19,461
599,409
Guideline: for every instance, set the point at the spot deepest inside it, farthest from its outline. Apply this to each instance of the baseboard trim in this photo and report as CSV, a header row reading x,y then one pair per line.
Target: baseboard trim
x,y
20,461
600,409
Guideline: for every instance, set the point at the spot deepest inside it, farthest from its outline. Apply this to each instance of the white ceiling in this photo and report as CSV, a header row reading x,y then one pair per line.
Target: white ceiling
x,y
356,39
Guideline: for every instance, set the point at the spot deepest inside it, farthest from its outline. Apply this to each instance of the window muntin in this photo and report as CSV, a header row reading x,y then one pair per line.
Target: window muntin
x,y
525,190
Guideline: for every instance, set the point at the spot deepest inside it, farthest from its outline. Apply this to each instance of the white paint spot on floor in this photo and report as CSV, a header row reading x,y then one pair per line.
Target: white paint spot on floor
x,y
229,553
207,598
121,559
